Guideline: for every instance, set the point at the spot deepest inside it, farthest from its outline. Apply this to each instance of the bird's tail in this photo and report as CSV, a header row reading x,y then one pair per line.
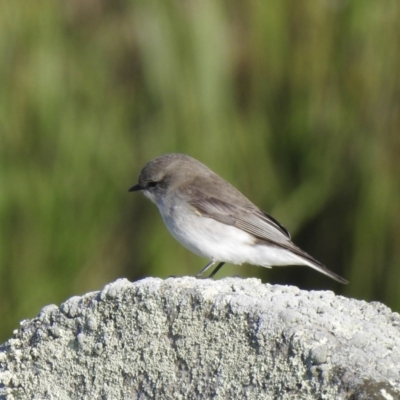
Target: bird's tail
x,y
313,263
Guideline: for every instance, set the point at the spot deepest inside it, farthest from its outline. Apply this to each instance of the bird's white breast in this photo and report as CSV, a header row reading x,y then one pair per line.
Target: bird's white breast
x,y
209,238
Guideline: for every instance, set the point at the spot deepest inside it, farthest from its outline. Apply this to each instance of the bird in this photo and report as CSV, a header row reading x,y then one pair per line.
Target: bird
x,y
214,220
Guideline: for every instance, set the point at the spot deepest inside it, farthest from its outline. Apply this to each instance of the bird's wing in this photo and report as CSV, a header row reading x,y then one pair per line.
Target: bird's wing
x,y
257,223
249,219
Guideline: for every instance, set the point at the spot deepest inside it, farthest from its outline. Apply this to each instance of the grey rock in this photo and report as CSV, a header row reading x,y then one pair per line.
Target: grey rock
x,y
183,338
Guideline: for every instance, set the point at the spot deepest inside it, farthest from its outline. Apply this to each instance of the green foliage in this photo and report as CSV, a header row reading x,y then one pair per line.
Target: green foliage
x,y
295,103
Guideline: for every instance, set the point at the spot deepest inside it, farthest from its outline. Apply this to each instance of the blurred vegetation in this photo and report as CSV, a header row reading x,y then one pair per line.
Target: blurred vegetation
x,y
296,103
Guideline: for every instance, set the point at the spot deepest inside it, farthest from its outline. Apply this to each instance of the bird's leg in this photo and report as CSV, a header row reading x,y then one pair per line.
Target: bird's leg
x,y
209,265
217,268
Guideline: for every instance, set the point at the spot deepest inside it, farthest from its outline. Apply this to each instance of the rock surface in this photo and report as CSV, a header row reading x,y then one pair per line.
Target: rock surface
x,y
184,338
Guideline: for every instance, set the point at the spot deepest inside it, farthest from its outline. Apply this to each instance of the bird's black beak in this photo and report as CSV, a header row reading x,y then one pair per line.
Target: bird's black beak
x,y
135,188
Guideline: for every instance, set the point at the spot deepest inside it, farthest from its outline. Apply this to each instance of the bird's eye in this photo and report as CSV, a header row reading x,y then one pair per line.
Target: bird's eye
x,y
152,184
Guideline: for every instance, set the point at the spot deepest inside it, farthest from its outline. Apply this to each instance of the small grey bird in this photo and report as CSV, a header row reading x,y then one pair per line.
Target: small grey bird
x,y
207,215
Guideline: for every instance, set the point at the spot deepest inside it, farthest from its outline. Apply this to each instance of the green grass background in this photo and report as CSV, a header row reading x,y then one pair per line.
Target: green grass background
x,y
296,103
